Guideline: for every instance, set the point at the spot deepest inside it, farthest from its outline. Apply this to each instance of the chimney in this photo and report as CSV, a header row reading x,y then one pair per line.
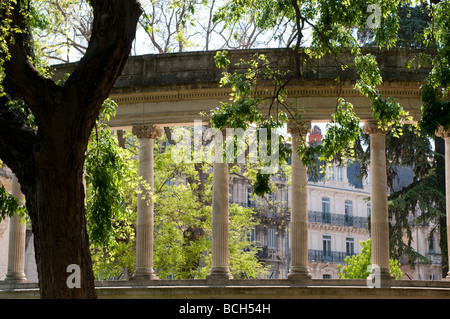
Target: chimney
x,y
315,136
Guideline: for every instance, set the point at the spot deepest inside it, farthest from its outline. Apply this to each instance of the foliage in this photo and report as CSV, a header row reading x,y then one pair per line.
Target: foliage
x,y
413,19
435,112
32,20
436,109
105,169
6,31
423,195
111,183
9,205
358,266
111,180
342,132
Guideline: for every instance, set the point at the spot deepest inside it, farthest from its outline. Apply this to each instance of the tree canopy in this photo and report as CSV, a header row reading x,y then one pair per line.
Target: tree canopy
x,y
359,266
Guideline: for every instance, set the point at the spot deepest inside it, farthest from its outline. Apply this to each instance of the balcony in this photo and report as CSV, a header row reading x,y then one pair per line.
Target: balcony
x,y
337,219
336,257
434,258
313,216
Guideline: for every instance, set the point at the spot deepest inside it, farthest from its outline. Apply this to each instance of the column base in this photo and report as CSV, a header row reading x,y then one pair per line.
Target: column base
x,y
219,273
144,275
447,278
380,278
299,274
16,277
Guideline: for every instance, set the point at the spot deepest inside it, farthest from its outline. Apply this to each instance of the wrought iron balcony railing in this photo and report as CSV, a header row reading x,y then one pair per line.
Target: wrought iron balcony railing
x,y
336,257
337,219
313,216
327,256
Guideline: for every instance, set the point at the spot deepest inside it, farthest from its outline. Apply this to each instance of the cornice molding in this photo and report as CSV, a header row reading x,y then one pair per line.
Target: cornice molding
x,y
400,90
337,228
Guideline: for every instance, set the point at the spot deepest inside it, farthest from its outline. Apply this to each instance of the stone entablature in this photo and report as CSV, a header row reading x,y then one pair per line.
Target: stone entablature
x,y
172,89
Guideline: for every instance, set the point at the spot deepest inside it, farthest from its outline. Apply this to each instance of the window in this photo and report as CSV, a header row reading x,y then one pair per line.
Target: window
x,y
325,205
331,172
230,194
271,238
326,217
349,246
270,198
287,197
348,213
369,209
249,198
339,174
250,235
348,208
326,240
326,276
431,245
368,179
271,201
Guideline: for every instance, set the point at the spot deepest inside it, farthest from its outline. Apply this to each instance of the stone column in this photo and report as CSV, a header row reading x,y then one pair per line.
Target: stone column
x,y
219,241
446,136
299,269
379,204
17,235
144,226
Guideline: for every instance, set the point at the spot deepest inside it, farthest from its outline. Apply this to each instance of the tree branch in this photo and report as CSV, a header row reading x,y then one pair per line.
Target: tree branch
x,y
32,86
113,32
17,139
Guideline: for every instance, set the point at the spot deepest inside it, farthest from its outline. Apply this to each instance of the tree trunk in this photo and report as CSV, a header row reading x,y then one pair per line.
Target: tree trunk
x,y
61,240
48,161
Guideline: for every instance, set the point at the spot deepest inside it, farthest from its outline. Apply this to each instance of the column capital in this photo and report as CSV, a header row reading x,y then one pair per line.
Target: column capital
x,y
299,128
373,127
147,131
441,132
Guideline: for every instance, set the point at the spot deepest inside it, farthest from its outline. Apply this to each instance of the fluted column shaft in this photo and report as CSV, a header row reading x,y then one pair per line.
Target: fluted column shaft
x,y
220,222
379,223
446,136
299,269
17,236
144,226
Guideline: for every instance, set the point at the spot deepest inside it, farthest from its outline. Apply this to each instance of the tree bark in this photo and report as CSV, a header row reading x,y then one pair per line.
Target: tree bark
x,y
48,161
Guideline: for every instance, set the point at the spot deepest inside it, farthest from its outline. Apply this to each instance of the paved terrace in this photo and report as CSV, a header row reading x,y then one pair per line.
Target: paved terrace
x,y
249,289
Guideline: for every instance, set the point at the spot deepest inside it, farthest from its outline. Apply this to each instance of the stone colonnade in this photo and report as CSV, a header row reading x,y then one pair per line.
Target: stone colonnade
x,y
299,270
